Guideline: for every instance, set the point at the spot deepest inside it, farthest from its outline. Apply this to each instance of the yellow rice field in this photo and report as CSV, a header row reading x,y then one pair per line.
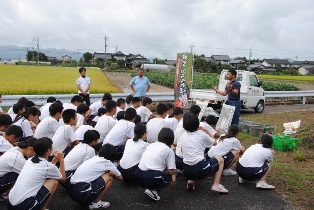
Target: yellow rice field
x,y
287,77
27,80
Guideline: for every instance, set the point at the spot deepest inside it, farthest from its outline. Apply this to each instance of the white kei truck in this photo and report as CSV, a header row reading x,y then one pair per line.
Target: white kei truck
x,y
251,93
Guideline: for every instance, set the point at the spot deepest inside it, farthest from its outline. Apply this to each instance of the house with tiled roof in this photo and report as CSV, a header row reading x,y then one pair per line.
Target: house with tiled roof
x,y
136,60
119,56
223,59
284,63
102,56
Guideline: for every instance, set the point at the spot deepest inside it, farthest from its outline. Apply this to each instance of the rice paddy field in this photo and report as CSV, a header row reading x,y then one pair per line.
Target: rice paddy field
x,y
32,80
287,77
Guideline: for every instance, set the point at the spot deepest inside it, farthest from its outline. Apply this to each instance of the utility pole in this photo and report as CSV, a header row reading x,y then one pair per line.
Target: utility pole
x,y
116,49
192,49
250,54
106,38
296,58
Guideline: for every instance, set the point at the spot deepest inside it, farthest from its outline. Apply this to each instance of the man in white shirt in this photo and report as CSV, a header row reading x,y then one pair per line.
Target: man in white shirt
x,y
83,84
155,125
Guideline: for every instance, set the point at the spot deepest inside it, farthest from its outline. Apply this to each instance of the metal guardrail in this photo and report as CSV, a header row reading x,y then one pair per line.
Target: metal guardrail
x,y
9,100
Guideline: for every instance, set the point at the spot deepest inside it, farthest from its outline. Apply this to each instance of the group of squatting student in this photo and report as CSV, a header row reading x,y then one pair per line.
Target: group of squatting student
x,y
121,146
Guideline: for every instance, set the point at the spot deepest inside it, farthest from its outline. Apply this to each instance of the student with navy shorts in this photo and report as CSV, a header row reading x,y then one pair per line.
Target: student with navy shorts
x,y
155,160
11,164
94,177
38,180
229,148
133,151
255,163
194,143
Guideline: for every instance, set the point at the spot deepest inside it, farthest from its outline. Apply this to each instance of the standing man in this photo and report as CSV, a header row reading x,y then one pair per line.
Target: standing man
x,y
140,84
233,91
83,84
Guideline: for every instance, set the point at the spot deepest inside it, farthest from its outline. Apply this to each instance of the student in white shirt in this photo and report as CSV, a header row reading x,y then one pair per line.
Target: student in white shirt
x,y
121,106
48,126
194,142
83,113
99,104
209,123
128,101
174,118
136,102
22,101
121,132
133,151
106,122
79,154
120,115
155,125
38,180
94,177
229,148
64,139
255,163
79,133
83,84
170,109
144,110
101,111
9,138
44,110
155,160
75,101
5,122
11,164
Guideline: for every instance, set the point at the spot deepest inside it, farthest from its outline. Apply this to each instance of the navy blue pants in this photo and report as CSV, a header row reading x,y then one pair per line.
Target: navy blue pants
x,y
236,115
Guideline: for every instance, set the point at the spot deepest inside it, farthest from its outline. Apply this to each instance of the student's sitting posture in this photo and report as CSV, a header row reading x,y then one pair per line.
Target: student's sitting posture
x,y
128,101
172,122
79,133
75,101
94,177
83,113
229,148
155,125
28,121
121,132
106,122
144,110
120,115
79,154
170,109
255,163
194,143
101,111
156,158
38,180
133,151
9,138
64,138
44,110
136,103
19,108
99,104
50,124
121,106
209,123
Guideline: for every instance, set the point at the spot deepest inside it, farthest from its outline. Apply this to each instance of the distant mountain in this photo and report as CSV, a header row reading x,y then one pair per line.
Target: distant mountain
x,y
16,53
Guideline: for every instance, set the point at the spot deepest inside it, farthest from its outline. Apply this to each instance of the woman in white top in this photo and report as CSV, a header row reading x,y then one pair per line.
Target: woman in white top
x,y
255,163
133,151
38,180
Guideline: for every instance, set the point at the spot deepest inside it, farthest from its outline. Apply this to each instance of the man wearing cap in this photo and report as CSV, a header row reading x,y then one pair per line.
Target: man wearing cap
x,y
140,84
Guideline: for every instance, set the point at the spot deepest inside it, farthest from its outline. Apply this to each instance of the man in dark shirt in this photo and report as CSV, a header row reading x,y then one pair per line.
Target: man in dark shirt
x,y
233,91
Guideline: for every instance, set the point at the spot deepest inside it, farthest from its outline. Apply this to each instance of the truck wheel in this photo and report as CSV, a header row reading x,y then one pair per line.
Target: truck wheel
x,y
260,106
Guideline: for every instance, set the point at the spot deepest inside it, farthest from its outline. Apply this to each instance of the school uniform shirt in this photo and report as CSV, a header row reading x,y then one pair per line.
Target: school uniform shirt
x,y
26,126
11,113
153,128
5,145
95,119
128,106
69,106
83,82
118,110
104,125
132,153
224,146
120,133
31,179
11,161
255,156
46,128
79,154
79,133
63,137
171,123
208,127
44,111
93,169
95,106
177,138
157,157
193,146
80,120
144,112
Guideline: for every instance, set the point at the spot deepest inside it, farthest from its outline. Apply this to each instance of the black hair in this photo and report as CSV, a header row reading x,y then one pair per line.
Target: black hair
x,y
30,111
146,100
106,97
108,152
139,130
14,130
140,69
195,109
51,99
28,143
82,108
54,108
120,101
233,130
267,141
17,107
233,72
130,114
82,69
40,147
211,120
58,101
203,118
177,111
138,119
77,98
90,135
68,114
29,104
136,100
5,120
166,136
128,99
101,111
190,122
170,106
110,105
22,100
120,115
162,108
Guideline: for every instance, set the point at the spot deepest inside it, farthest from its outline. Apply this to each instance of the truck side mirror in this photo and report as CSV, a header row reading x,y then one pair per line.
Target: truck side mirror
x,y
259,83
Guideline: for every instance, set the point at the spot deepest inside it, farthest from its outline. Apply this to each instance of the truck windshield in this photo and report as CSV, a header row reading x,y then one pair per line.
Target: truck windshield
x,y
239,77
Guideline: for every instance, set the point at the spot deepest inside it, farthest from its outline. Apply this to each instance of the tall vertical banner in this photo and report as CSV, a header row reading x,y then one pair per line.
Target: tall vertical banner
x,y
183,79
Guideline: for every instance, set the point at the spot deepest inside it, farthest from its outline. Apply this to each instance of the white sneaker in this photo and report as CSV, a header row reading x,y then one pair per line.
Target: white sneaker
x,y
241,181
219,188
264,185
229,172
152,194
99,205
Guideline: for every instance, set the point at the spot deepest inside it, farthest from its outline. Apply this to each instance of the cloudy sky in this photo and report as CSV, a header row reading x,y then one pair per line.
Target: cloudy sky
x,y
161,28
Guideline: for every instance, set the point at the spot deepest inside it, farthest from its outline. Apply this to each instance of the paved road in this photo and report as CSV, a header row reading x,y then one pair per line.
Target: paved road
x,y
281,108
